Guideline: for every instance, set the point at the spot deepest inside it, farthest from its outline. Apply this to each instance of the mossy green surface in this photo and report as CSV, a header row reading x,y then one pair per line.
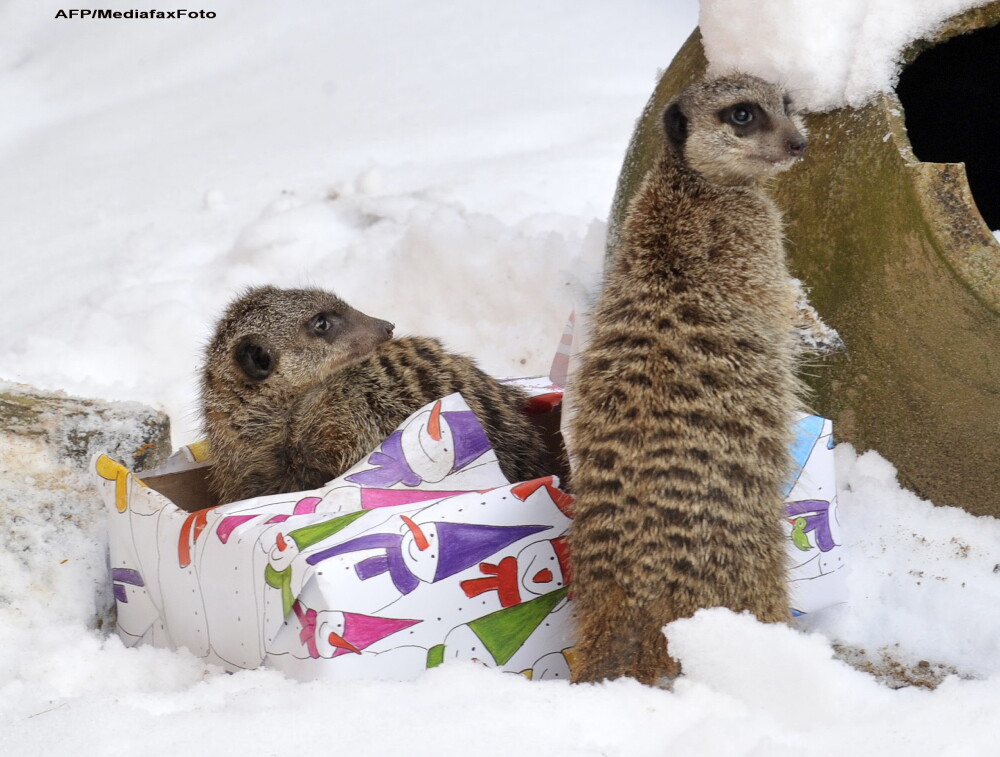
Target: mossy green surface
x,y
898,260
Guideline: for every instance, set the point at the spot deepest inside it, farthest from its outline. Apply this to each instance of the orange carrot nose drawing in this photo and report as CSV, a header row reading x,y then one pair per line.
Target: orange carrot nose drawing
x,y
280,543
191,529
543,576
418,535
336,640
434,422
561,499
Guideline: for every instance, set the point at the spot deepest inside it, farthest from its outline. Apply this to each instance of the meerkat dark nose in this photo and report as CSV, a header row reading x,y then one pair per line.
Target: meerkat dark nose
x,y
387,328
796,146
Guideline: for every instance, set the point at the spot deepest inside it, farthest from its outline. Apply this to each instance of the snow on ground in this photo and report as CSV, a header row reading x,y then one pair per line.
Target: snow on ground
x,y
448,166
925,595
400,156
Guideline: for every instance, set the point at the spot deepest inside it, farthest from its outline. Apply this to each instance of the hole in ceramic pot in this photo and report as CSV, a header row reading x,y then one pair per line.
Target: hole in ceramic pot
x,y
951,97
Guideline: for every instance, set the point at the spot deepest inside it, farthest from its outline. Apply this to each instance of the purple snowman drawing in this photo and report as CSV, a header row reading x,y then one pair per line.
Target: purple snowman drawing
x,y
427,552
431,446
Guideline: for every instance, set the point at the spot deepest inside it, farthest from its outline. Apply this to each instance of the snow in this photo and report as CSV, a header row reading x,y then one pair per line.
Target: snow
x,y
447,166
839,52
924,588
159,166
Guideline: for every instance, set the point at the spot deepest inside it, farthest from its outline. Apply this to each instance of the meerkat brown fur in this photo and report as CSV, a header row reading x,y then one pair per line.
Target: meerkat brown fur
x,y
685,395
298,386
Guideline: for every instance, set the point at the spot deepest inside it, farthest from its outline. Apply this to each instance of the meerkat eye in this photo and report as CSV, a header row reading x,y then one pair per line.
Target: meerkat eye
x,y
324,324
320,324
741,115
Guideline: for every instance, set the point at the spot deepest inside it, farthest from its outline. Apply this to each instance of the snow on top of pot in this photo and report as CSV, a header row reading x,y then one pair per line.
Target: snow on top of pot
x,y
829,54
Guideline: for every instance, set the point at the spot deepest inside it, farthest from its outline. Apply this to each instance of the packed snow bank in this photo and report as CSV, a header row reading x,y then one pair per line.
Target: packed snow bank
x,y
829,54
409,258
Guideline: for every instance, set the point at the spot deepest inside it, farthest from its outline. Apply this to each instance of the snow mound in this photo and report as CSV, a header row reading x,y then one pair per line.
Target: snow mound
x,y
779,692
929,587
412,258
829,54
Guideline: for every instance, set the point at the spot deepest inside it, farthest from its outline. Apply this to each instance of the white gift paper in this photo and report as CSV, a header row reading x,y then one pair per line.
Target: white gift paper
x,y
421,553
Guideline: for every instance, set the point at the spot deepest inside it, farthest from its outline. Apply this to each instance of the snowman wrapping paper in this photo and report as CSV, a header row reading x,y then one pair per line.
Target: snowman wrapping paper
x,y
421,553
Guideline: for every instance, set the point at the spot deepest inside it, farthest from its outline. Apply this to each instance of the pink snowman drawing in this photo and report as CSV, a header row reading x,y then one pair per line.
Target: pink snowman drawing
x,y
332,633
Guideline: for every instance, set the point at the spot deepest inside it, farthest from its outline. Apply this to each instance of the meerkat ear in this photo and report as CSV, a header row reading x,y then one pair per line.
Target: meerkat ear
x,y
676,125
255,357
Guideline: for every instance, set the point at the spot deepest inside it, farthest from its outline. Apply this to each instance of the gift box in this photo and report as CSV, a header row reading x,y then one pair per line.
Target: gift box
x,y
421,553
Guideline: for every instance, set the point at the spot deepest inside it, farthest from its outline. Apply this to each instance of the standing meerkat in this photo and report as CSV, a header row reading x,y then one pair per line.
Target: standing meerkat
x,y
298,386
685,395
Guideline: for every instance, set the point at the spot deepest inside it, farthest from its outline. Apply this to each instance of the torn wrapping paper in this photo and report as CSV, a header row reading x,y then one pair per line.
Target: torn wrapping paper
x,y
816,576
421,553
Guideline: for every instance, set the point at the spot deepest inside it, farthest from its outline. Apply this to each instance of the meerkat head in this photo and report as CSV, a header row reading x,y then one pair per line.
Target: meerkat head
x,y
735,129
269,334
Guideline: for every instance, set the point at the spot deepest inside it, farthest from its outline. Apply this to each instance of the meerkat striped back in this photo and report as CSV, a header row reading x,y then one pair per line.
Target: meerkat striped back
x,y
399,378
